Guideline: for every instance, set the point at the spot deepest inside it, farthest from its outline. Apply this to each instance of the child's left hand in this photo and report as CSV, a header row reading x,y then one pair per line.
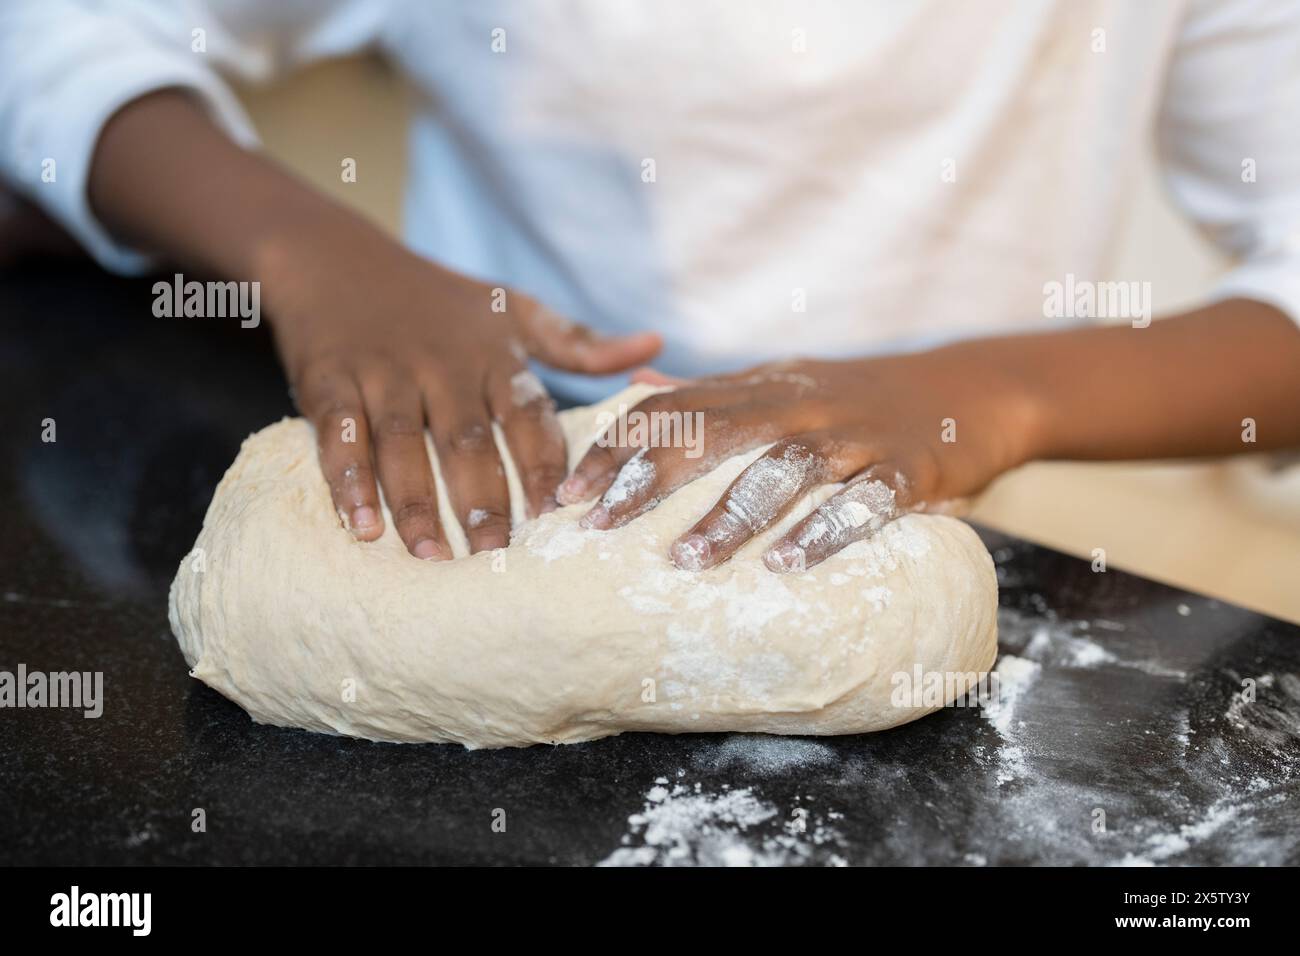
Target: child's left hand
x,y
901,432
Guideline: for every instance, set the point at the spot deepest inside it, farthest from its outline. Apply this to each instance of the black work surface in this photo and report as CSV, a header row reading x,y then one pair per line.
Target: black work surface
x,y
1126,740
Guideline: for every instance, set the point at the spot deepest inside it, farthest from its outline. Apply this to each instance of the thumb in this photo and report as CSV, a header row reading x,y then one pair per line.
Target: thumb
x,y
566,345
652,376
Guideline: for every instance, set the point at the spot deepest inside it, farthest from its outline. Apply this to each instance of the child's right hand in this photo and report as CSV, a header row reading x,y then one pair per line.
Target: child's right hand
x,y
380,344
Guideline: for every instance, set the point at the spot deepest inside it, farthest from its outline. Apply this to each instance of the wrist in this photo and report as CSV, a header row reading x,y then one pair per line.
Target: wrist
x,y
1006,373
307,263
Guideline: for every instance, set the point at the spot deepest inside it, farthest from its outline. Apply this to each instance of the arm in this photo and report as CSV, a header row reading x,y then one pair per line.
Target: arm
x,y
1179,388
122,128
377,342
1230,144
907,432
165,180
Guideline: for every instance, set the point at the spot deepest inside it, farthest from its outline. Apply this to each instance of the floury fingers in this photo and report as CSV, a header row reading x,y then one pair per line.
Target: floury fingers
x,y
627,427
82,690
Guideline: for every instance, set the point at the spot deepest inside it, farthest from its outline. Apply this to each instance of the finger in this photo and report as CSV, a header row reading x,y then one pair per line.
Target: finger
x,y
331,401
471,467
777,375
666,419
640,484
652,474
593,473
397,422
652,376
564,344
857,511
532,432
760,495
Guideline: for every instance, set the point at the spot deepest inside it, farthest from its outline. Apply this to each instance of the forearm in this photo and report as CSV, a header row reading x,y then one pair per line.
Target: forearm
x,y
166,179
1179,388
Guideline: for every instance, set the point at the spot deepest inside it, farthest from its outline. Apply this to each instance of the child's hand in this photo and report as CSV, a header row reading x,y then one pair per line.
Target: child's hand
x,y
910,430
378,343
372,334
901,432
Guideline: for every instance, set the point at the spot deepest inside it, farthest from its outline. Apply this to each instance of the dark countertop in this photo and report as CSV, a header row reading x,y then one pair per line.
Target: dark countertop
x,y
1125,693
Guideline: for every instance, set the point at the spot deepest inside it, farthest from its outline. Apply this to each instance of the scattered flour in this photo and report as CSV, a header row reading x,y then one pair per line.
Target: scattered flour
x,y
692,656
525,388
878,598
1162,846
1059,642
1015,676
725,605
766,755
686,826
737,603
1236,712
633,478
1084,653
765,487
551,537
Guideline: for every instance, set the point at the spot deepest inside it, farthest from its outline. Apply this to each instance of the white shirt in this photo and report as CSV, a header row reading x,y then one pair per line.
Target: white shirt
x,y
755,180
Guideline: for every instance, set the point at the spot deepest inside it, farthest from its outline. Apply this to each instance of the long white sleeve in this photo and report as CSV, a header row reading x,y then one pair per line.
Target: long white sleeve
x,y
1229,138
66,66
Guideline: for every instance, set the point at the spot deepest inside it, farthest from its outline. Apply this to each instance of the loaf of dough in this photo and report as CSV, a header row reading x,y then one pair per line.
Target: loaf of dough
x,y
568,634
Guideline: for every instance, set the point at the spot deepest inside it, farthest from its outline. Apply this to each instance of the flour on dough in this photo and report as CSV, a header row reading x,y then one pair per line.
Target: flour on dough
x,y
568,634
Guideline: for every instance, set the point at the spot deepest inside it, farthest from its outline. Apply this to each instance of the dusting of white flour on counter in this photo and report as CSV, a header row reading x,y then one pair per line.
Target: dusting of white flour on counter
x,y
1164,846
1015,676
766,755
684,825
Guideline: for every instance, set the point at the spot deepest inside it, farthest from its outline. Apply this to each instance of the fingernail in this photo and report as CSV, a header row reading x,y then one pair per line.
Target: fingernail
x,y
572,490
597,517
785,557
427,549
363,518
489,541
690,553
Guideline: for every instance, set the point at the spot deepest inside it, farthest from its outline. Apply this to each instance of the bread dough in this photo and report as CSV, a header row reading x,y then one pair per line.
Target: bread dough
x,y
567,634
